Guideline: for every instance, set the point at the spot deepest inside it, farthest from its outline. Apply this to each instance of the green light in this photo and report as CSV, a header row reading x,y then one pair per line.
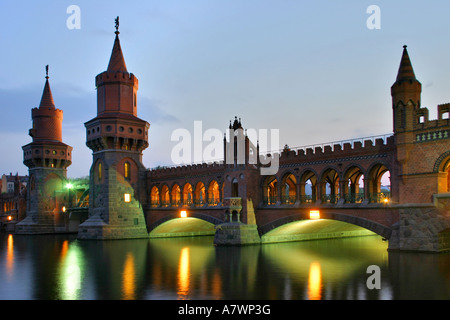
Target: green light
x,y
69,186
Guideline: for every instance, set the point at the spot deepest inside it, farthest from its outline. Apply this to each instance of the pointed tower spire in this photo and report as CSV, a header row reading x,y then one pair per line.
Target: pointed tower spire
x,y
47,97
117,62
405,71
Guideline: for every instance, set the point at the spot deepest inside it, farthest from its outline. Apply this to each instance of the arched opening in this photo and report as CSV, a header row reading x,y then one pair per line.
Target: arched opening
x,y
288,189
448,179
330,186
379,184
176,195
213,193
270,189
183,227
154,197
165,196
200,198
308,187
187,194
354,185
306,230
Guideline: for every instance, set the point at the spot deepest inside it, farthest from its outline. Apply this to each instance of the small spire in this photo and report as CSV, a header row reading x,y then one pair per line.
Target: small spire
x,y
117,25
405,71
117,62
47,97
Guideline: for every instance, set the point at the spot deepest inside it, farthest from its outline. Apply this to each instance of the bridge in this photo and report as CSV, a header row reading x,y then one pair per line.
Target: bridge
x,y
326,191
344,183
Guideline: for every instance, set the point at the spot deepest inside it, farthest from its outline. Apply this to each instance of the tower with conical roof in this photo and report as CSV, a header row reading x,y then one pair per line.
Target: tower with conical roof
x,y
47,159
117,138
405,93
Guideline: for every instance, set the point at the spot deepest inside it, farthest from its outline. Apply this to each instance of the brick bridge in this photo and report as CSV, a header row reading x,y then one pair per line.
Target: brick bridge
x,y
341,182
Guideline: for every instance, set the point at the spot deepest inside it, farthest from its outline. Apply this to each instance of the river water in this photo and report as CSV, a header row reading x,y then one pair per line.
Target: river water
x,y
60,267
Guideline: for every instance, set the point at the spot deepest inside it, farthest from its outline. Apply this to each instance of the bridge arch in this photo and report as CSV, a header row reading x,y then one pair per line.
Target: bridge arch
x,y
213,191
175,194
288,188
270,189
154,196
329,185
353,176
374,175
375,227
311,176
187,194
200,194
196,224
165,195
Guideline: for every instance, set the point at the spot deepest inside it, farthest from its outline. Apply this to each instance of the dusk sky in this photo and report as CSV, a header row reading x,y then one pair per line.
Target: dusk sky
x,y
312,69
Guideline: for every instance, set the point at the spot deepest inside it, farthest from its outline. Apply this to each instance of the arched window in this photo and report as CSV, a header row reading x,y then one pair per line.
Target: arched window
x,y
100,171
126,170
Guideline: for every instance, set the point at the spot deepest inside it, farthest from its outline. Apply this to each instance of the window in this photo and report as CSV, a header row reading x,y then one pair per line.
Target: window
x,y
127,170
100,171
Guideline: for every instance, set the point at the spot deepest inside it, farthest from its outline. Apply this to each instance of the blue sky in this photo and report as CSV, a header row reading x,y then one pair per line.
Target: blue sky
x,y
311,69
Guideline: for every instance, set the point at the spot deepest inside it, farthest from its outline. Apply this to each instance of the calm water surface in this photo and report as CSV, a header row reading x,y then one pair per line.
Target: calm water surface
x,y
62,267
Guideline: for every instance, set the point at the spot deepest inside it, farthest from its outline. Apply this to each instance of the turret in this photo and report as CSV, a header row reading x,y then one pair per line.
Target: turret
x,y
405,93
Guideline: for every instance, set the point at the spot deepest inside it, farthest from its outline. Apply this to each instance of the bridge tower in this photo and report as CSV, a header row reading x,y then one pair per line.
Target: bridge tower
x,y
422,145
47,159
117,138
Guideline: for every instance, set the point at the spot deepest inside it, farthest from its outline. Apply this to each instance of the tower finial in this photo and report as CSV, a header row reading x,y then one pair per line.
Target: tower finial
x,y
46,72
117,25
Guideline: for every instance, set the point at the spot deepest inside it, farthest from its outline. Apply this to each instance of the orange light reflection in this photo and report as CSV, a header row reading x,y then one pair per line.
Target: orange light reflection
x,y
315,281
128,278
183,272
10,255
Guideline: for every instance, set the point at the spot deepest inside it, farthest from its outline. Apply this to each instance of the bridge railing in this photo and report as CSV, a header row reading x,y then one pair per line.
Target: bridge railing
x,y
288,199
354,197
379,197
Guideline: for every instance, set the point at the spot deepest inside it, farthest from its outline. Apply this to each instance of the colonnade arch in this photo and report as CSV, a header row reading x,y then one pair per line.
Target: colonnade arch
x,y
188,194
351,184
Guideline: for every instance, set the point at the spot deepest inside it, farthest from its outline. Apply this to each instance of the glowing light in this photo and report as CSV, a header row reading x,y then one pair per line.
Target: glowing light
x,y
9,218
69,186
128,278
70,272
64,209
386,200
183,214
183,272
315,281
127,197
314,214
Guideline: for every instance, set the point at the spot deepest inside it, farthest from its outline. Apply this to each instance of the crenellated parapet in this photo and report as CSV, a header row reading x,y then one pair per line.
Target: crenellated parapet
x,y
336,151
429,130
187,170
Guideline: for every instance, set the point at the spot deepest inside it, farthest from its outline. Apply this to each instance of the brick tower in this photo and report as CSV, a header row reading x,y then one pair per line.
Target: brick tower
x,y
47,159
422,144
117,138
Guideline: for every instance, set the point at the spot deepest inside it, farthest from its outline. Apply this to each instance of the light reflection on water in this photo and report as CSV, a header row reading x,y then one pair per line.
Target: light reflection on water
x,y
61,267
